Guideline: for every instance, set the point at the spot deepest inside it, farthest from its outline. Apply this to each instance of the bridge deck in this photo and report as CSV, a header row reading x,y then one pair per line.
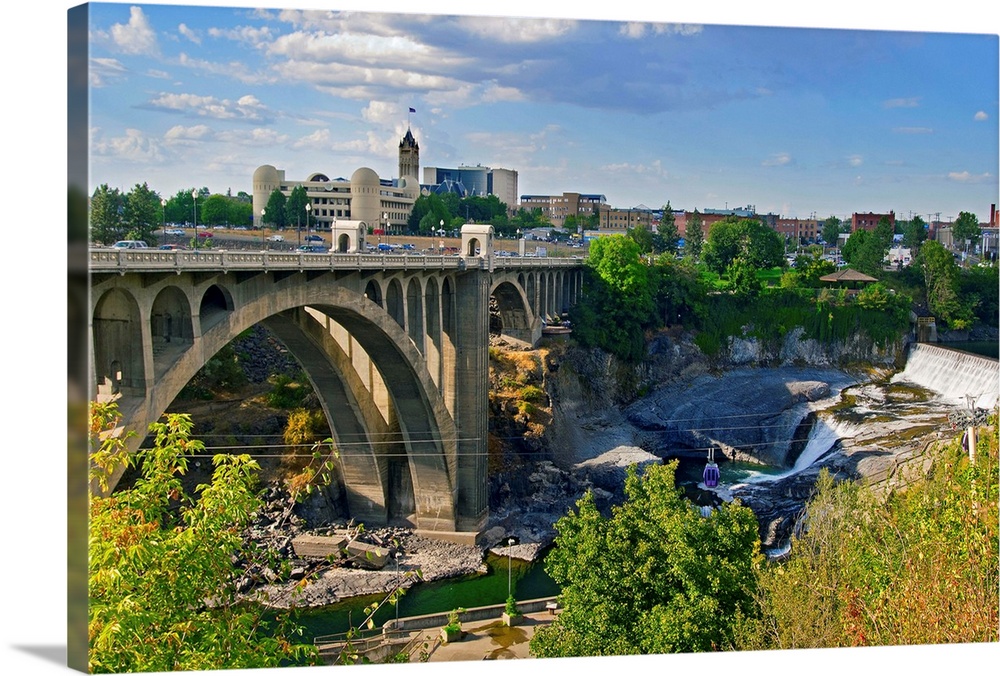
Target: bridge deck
x,y
137,260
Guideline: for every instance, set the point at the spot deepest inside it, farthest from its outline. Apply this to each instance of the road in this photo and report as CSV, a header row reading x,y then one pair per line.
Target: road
x,y
230,238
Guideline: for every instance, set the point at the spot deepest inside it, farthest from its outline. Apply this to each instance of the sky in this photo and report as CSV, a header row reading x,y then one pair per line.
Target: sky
x,y
37,147
797,121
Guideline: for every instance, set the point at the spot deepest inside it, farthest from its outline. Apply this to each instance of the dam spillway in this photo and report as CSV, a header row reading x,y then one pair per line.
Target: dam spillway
x,y
953,374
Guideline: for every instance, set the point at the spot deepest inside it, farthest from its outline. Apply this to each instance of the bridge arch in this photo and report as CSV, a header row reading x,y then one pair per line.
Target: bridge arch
x,y
170,321
517,321
417,430
119,363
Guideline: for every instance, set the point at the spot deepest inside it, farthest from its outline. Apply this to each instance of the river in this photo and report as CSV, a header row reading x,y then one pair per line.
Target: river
x,y
528,580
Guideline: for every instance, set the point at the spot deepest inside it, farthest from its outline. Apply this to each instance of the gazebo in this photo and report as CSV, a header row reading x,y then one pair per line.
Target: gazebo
x,y
851,278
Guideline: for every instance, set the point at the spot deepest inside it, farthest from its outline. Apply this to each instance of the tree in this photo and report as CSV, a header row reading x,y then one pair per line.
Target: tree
x,y
163,586
655,577
831,230
943,284
107,207
914,234
295,207
694,237
275,213
966,227
747,238
642,237
141,215
618,304
667,231
865,251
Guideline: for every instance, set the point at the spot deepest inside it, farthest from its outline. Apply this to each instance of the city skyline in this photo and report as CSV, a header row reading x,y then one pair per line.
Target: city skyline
x,y
796,121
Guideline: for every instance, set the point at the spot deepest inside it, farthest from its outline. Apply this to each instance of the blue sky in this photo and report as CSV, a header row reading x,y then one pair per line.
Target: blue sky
x,y
796,121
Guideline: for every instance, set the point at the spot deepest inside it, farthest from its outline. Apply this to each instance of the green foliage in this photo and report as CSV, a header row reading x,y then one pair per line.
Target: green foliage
x,y
749,239
107,206
914,234
162,582
287,392
874,297
966,227
668,236
276,212
655,577
618,304
980,287
865,250
743,282
919,567
222,373
511,607
532,393
832,227
943,287
694,238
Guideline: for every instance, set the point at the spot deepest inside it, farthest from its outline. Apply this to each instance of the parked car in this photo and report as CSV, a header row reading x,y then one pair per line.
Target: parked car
x,y
205,233
175,231
276,238
313,238
171,247
312,248
130,244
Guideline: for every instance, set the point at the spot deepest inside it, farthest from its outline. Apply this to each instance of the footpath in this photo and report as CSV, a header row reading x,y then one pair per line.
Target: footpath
x,y
484,636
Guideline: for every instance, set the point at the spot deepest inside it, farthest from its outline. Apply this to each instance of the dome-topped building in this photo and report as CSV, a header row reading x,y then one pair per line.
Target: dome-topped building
x,y
384,203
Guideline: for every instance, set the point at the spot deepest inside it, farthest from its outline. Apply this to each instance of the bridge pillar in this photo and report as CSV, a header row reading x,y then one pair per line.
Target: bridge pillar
x,y
470,369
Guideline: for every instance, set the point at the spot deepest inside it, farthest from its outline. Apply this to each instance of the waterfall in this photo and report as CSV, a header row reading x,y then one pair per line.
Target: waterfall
x,y
825,433
953,374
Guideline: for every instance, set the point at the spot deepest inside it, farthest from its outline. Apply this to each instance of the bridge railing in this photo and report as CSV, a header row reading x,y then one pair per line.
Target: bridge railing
x,y
147,260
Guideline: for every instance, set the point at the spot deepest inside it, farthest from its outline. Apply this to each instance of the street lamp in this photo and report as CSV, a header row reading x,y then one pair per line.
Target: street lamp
x,y
385,226
510,543
308,209
263,230
441,234
163,212
397,591
194,202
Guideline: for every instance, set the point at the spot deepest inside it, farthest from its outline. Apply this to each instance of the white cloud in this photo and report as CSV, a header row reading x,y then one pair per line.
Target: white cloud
x,y
635,29
494,93
514,29
246,108
259,136
778,160
382,112
189,34
103,70
182,134
981,116
655,169
135,37
910,102
318,139
134,146
966,177
855,160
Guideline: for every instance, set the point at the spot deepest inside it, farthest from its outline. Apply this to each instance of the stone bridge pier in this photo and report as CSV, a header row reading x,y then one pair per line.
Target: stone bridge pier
x,y
395,347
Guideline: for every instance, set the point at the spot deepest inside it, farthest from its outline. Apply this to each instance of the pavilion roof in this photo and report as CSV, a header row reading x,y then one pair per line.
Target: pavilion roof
x,y
847,275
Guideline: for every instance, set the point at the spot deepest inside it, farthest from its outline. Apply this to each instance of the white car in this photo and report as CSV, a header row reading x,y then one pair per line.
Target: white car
x,y
275,238
175,231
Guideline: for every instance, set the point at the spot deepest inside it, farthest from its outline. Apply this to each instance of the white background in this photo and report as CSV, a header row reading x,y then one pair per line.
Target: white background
x,y
33,518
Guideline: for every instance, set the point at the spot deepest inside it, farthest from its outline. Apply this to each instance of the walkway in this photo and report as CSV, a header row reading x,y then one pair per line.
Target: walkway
x,y
487,640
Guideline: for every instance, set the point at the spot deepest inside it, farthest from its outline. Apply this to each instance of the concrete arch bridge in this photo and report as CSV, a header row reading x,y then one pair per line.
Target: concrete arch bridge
x,y
395,346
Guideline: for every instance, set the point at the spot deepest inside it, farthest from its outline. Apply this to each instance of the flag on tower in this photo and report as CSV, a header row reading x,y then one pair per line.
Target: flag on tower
x,y
412,110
